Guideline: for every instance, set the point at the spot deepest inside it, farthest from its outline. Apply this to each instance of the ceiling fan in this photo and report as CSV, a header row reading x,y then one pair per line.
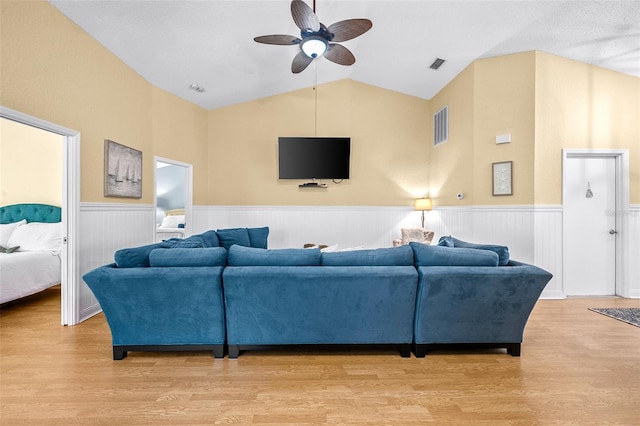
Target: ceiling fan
x,y
316,39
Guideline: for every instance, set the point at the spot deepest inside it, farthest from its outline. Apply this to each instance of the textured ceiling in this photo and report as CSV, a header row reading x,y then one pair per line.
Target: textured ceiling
x,y
174,44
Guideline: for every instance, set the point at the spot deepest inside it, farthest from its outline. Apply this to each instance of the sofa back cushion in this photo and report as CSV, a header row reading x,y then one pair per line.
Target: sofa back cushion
x,y
135,257
428,255
247,237
258,237
251,256
396,256
207,256
501,251
210,238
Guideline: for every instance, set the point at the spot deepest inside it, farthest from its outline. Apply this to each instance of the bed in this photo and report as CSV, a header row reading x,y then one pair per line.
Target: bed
x,y
172,225
30,245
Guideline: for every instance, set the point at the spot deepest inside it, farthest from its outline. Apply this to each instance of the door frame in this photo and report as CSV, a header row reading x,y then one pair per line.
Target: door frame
x,y
621,158
188,192
70,310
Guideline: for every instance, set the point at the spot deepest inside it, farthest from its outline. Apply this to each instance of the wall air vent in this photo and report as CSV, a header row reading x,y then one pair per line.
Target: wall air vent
x,y
437,64
441,126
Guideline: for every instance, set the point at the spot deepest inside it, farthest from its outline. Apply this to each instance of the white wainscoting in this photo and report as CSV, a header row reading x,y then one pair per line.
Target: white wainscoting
x,y
533,233
634,251
103,229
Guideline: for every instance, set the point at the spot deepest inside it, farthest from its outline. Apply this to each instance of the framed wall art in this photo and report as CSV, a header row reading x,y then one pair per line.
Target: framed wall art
x,y
503,178
122,171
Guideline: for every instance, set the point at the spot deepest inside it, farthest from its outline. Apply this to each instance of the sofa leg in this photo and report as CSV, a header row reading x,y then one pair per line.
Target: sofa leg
x,y
405,350
234,351
513,349
218,351
119,353
420,351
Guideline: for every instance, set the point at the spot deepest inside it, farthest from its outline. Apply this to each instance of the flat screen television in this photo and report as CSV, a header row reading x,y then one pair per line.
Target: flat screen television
x,y
313,157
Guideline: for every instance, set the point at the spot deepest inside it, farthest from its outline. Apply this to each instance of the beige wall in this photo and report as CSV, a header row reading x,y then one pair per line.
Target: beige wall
x,y
490,97
179,132
450,164
504,102
546,103
388,130
579,106
53,70
25,177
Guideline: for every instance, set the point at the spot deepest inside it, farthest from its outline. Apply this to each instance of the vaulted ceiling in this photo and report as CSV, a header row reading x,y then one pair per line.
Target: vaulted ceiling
x,y
174,44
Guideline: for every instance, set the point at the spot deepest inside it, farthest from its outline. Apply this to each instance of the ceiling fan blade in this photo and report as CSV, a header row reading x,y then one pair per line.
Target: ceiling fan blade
x,y
300,62
348,29
304,17
279,39
339,54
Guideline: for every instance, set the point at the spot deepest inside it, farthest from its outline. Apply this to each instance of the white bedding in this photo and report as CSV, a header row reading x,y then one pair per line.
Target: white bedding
x,y
23,273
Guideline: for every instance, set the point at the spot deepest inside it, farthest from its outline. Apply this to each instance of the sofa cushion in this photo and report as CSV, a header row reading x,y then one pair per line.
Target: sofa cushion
x,y
231,236
135,257
427,255
206,256
251,256
258,237
210,238
396,256
501,251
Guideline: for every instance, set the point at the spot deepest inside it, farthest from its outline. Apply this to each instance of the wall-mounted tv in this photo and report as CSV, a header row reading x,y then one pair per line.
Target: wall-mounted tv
x,y
313,157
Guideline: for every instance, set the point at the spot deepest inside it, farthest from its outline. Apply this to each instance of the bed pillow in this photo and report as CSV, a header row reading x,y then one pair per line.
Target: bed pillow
x,y
427,255
396,256
37,236
172,221
6,229
251,256
207,256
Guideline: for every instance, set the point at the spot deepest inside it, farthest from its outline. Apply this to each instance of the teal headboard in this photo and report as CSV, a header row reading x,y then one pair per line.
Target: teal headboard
x,y
32,212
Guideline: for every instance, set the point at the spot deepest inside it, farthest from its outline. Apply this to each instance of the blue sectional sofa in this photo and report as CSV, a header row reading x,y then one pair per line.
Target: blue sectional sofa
x,y
300,296
223,289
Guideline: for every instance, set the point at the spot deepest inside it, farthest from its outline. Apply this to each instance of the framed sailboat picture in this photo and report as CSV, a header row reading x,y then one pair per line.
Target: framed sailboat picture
x,y
122,171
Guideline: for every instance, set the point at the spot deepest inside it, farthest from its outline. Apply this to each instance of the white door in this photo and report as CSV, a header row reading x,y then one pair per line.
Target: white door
x,y
590,226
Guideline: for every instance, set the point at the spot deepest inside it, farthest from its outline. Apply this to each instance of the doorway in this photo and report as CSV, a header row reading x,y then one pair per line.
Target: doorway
x,y
173,195
594,197
70,206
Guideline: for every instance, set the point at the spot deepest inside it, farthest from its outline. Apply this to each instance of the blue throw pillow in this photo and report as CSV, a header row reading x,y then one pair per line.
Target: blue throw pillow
x,y
210,238
193,241
446,242
207,256
397,256
135,257
231,236
501,251
251,256
427,255
258,237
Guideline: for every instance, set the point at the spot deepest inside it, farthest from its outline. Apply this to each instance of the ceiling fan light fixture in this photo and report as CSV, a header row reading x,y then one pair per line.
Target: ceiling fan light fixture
x,y
313,46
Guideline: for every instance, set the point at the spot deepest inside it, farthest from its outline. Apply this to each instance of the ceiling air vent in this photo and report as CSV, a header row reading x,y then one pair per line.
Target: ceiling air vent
x,y
437,64
441,126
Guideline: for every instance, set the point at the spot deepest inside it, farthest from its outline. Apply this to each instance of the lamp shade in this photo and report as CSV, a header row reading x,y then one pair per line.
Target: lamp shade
x,y
423,204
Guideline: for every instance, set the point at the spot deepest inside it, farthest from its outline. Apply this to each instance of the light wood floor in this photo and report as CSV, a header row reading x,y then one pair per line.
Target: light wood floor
x,y
577,367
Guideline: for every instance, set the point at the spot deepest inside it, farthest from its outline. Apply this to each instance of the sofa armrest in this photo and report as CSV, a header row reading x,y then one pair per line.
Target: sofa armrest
x,y
161,306
476,304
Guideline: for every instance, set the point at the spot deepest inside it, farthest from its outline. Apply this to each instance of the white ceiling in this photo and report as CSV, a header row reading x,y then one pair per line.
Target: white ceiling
x,y
174,44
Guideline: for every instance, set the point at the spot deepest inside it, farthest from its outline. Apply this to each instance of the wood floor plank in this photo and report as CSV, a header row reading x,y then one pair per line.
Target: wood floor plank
x,y
577,367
